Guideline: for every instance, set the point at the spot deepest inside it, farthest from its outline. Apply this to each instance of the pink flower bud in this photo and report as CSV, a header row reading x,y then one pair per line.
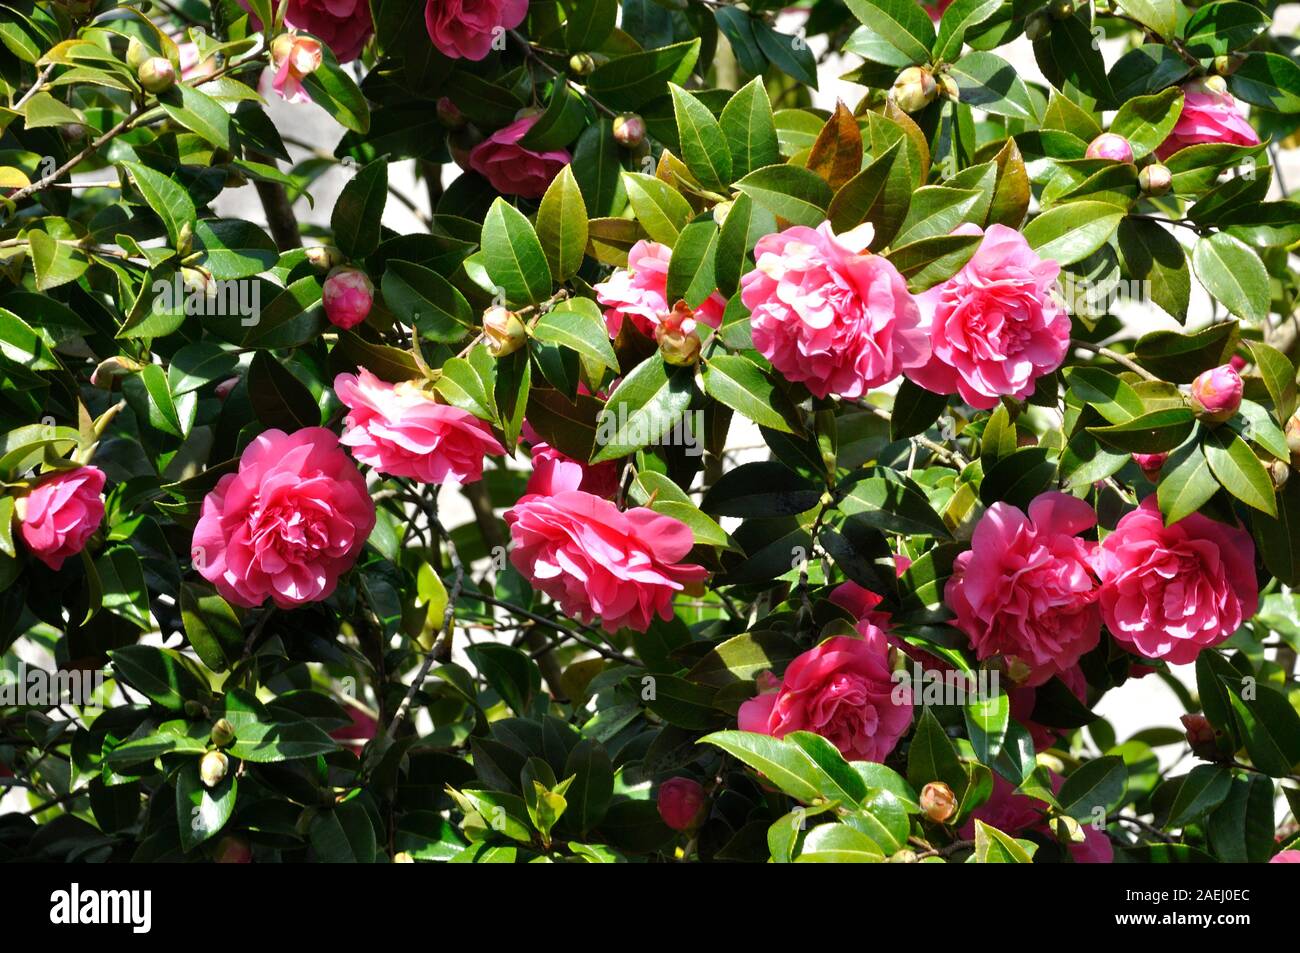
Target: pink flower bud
x,y
1237,363
1286,857
450,115
681,803
1150,463
348,297
1155,180
629,130
1110,146
1216,394
938,802
233,850
157,74
1201,736
678,341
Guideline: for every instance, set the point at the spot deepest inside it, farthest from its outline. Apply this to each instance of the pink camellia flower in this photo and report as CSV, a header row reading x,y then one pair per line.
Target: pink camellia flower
x,y
1286,857
681,801
343,25
597,561
1026,589
285,526
639,293
401,430
347,296
465,29
512,169
60,513
995,327
829,314
1170,591
1110,146
293,56
841,689
862,603
361,731
1216,393
1209,115
1023,698
1015,814
554,472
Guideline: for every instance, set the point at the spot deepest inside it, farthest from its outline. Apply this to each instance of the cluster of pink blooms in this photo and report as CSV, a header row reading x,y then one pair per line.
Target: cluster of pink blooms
x,y
1031,591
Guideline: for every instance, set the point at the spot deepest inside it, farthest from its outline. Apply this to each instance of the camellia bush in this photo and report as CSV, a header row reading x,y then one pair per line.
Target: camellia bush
x,y
708,475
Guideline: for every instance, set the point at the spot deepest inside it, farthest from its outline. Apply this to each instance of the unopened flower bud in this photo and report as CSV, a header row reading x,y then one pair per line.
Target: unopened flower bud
x,y
1279,471
1212,84
348,296
948,87
504,332
678,342
225,387
1216,394
449,114
303,53
914,89
581,64
1037,25
1201,736
110,369
682,803
324,258
938,803
1150,463
1228,63
460,142
194,709
903,856
73,131
1018,670
629,130
1068,830
157,75
1155,180
233,850
402,857
1061,9
1293,438
223,732
1110,146
213,768
136,54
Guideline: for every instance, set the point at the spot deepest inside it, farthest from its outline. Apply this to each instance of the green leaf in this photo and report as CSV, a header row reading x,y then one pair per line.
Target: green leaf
x,y
932,757
1219,28
1239,471
643,408
199,113
1146,121
588,24
213,629
513,255
1071,232
1203,789
1151,254
562,225
1156,432
158,674
1112,397
1096,784
511,673
359,211
704,147
789,192
959,19
691,268
578,324
1232,272
749,129
630,81
1179,358
986,723
839,844
741,658
279,399
332,89
1186,483
202,812
426,300
743,386
780,762
661,209
121,578
234,249
168,199
987,82
992,846
879,194
889,502
903,24
761,488
1269,81
1160,15
1270,727
592,787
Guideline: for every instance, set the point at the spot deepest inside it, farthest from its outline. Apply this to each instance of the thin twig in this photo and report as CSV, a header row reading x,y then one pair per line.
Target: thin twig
x,y
1121,359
